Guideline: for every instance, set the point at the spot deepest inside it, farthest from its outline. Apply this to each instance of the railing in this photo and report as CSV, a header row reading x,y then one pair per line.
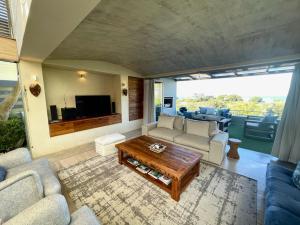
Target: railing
x,y
250,113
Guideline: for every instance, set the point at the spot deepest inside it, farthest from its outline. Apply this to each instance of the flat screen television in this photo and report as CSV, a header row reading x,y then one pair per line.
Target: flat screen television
x,y
93,105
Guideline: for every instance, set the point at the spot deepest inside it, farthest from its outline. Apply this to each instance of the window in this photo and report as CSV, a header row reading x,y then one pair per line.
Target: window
x,y
4,21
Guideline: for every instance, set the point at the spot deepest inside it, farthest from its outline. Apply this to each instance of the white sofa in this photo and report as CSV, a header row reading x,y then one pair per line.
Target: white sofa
x,y
201,136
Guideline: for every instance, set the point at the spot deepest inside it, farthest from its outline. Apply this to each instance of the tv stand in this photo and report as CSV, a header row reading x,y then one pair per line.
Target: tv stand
x,y
71,126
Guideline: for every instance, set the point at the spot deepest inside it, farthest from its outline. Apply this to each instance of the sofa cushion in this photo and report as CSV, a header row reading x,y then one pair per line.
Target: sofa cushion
x,y
196,127
178,122
49,210
274,169
203,110
165,133
193,141
284,200
296,176
277,216
41,166
213,128
166,122
278,172
210,111
274,184
2,173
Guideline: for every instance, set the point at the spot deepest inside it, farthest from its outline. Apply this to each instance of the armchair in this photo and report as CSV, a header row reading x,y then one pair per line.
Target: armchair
x,y
19,160
22,194
263,128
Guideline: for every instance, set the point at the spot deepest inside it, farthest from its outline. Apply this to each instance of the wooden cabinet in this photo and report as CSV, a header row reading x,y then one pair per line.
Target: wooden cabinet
x,y
66,127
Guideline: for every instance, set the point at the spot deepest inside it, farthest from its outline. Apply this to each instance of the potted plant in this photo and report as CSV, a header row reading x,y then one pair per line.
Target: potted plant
x,y
12,129
12,134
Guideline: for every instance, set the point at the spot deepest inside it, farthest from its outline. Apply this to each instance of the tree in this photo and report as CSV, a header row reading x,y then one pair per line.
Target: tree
x,y
8,103
235,103
256,99
230,98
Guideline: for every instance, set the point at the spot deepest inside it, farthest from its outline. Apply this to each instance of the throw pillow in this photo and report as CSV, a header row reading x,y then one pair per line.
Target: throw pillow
x,y
166,122
210,111
178,122
296,176
197,127
2,173
203,110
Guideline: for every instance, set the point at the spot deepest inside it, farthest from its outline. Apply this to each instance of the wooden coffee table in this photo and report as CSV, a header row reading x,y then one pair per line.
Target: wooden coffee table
x,y
175,162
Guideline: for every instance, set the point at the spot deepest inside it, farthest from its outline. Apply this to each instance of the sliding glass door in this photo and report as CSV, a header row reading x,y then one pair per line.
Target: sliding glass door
x,y
158,98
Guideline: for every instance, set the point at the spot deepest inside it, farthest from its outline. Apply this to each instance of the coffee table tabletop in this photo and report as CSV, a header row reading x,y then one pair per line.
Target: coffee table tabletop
x,y
175,162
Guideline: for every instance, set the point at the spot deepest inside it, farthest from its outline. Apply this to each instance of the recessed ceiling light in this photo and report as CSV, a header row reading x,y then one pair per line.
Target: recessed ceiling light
x,y
281,68
200,76
223,74
183,78
246,72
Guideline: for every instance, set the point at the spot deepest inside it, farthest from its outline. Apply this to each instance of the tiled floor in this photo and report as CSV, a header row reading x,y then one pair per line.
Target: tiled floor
x,y
251,164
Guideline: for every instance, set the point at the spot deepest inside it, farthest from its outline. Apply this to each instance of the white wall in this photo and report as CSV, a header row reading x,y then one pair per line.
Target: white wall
x,y
57,92
36,108
169,90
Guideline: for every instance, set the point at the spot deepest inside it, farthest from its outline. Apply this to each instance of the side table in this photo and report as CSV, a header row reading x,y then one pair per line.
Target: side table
x,y
234,145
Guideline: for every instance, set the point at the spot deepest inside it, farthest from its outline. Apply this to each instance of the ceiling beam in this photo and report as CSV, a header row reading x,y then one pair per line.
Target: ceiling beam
x,y
222,68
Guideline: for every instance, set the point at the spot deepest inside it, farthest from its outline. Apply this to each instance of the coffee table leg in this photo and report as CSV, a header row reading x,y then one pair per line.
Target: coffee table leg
x,y
176,185
197,169
120,156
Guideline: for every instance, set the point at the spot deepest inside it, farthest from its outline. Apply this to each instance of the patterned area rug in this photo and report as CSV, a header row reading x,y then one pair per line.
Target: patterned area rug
x,y
120,196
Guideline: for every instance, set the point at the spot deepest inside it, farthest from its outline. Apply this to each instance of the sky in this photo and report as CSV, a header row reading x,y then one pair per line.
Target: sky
x,y
264,86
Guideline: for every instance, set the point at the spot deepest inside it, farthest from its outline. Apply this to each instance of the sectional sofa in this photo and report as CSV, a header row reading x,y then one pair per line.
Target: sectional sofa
x,y
282,197
200,136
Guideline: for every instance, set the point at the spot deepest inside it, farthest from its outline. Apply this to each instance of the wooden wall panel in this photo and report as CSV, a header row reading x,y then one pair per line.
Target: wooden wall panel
x,y
136,98
8,50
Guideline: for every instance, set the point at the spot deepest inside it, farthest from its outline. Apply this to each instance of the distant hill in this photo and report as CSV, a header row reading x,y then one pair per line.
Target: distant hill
x,y
268,98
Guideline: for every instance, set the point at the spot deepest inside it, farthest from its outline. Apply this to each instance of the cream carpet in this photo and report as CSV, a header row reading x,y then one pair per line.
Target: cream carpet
x,y
120,196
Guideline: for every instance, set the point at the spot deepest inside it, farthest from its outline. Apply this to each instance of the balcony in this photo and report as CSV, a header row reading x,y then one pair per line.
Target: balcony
x,y
256,131
255,134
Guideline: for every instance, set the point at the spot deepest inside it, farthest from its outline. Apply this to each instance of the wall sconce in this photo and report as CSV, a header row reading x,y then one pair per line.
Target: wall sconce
x,y
124,89
34,78
34,88
82,75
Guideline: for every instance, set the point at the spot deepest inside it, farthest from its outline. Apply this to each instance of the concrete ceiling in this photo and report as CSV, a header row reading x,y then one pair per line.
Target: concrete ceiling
x,y
166,36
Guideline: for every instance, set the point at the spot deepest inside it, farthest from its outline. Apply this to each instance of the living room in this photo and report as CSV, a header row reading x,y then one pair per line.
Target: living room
x,y
96,150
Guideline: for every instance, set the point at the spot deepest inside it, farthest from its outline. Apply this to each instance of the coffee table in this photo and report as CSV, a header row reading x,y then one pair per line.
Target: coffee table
x,y
181,165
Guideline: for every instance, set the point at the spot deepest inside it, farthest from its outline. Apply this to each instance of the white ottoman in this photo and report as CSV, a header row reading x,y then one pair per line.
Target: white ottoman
x,y
105,145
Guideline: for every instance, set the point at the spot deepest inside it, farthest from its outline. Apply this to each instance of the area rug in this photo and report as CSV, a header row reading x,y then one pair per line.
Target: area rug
x,y
120,196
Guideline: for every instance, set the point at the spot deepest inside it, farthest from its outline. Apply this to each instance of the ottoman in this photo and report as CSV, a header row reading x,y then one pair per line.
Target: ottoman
x,y
105,145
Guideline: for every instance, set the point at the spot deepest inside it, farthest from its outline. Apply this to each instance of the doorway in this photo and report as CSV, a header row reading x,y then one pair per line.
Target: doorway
x,y
158,98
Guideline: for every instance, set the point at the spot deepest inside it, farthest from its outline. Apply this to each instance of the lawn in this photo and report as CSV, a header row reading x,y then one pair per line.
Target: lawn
x,y
237,131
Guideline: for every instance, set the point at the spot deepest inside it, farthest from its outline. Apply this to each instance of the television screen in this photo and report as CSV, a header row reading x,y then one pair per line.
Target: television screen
x,y
93,105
